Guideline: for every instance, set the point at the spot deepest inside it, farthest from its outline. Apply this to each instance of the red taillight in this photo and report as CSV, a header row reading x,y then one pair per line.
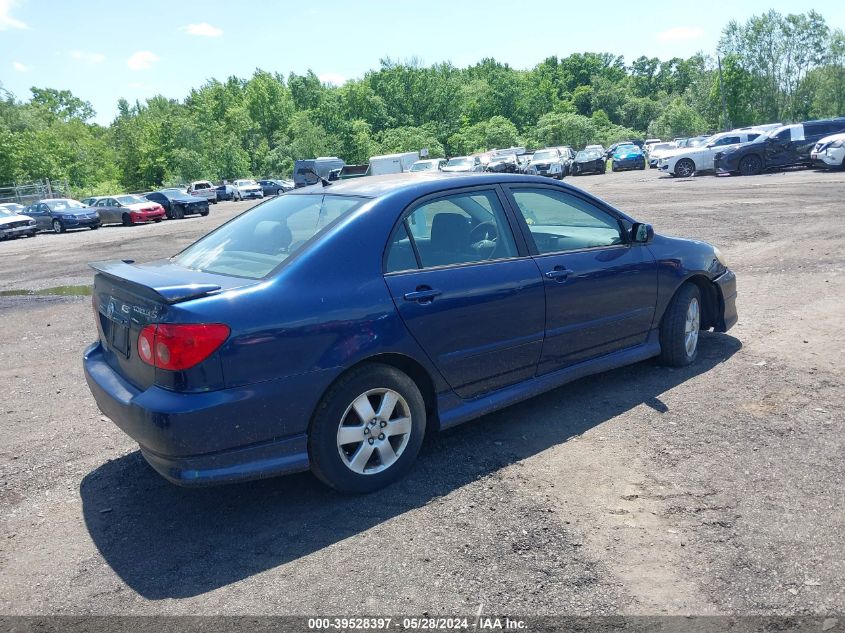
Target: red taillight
x,y
180,346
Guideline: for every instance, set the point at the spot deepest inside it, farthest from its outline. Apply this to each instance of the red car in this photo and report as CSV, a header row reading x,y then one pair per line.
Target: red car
x,y
126,209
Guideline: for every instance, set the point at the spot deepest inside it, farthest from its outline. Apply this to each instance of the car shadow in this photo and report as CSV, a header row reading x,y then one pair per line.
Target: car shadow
x,y
171,542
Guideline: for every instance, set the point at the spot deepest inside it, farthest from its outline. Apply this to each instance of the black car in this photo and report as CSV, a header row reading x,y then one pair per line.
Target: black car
x,y
503,164
177,204
271,187
588,161
785,146
60,214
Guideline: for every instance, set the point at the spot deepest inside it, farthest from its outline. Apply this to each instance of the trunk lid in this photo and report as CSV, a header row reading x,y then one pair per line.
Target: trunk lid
x,y
128,297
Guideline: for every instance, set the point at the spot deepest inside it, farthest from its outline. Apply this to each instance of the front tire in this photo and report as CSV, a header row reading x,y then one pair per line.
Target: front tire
x,y
751,166
367,429
680,327
684,168
126,220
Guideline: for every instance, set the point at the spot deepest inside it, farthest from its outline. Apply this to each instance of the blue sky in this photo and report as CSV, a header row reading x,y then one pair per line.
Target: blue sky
x,y
103,50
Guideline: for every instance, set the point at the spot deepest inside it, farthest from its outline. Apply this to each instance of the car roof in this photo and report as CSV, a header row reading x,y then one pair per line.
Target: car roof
x,y
419,183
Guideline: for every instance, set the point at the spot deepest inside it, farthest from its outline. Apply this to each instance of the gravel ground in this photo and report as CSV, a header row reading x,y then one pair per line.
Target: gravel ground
x,y
714,489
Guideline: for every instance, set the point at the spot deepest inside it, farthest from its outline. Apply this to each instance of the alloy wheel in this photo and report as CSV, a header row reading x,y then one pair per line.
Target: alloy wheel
x,y
691,327
57,226
685,168
374,431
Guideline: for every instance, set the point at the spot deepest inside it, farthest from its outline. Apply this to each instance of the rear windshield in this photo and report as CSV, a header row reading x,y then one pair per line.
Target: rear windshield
x,y
255,243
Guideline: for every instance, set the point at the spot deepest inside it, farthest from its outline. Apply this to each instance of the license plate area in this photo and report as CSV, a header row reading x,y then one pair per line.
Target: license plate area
x,y
120,337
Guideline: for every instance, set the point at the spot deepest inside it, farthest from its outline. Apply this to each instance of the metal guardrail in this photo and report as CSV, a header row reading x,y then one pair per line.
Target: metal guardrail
x,y
27,193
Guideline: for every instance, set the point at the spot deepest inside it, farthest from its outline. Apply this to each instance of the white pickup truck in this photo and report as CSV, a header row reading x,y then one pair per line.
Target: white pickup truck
x,y
203,189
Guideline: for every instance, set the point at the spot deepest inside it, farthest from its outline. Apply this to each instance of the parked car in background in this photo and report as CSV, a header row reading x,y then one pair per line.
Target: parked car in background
x,y
688,161
547,162
567,155
273,187
657,150
428,164
786,146
472,293
61,214
829,152
247,188
225,192
649,142
627,157
589,161
503,164
463,164
126,209
598,147
13,224
608,153
523,162
177,204
14,207
203,189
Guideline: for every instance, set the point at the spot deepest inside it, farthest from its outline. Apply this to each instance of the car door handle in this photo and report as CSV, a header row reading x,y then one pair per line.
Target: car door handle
x,y
422,295
559,273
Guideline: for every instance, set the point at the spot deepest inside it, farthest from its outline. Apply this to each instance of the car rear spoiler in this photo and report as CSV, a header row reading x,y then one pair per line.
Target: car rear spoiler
x,y
125,271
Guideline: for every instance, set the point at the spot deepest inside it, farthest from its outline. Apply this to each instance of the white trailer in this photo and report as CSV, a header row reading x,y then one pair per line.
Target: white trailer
x,y
392,163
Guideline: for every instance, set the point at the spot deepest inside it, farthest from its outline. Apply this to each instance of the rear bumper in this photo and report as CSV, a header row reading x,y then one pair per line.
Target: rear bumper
x,y
205,438
726,283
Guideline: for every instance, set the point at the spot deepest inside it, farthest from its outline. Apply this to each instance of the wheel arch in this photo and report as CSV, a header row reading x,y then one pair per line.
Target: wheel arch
x,y
711,300
411,368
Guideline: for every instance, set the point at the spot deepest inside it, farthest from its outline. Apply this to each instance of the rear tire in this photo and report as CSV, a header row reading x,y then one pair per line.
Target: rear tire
x,y
751,166
679,328
375,459
58,227
126,220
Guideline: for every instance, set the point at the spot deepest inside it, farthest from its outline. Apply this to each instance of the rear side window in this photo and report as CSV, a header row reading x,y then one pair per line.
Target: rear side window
x,y
728,140
255,243
460,228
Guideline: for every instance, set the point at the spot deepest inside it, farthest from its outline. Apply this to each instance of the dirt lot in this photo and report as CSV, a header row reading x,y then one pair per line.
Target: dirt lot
x,y
713,489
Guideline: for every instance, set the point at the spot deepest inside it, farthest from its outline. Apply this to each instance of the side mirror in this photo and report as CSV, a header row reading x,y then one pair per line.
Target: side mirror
x,y
642,233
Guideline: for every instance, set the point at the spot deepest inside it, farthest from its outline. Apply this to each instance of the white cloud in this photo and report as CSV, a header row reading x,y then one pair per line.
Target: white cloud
x,y
21,68
203,29
680,34
332,78
85,56
6,20
142,60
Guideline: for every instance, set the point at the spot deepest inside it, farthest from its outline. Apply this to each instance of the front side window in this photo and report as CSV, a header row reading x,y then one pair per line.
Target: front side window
x,y
456,229
255,243
562,222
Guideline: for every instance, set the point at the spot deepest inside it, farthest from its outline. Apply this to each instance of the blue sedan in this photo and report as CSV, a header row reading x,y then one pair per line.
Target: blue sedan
x,y
331,327
627,157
